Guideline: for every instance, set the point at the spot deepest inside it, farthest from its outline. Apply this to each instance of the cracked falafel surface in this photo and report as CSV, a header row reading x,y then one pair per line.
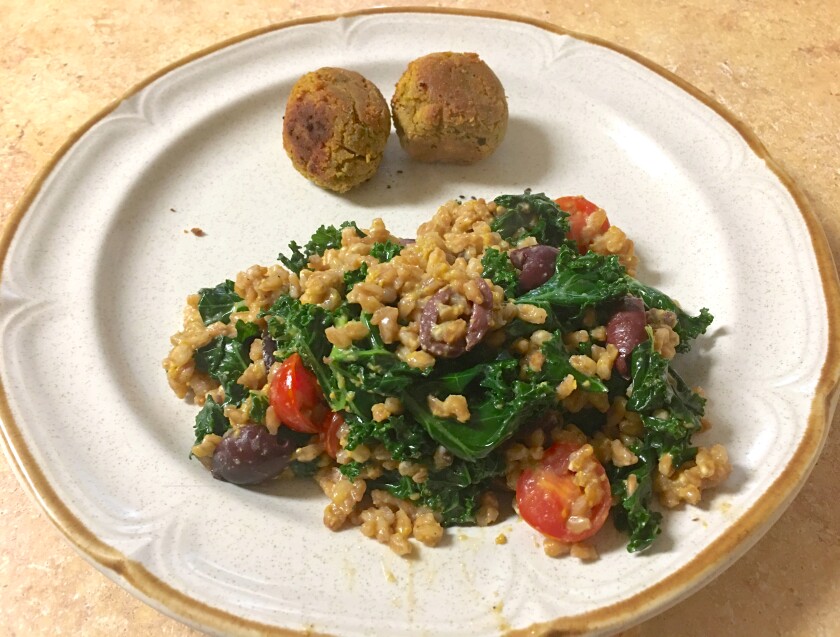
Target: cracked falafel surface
x,y
335,128
449,107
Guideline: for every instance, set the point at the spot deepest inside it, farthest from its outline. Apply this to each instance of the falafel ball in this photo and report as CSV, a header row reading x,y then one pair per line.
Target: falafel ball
x,y
449,107
335,128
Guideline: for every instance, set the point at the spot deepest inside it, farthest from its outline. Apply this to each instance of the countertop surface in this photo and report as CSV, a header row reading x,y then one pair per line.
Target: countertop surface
x,y
775,64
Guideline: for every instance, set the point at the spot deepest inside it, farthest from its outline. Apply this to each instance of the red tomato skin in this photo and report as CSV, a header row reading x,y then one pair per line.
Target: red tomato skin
x,y
329,436
579,208
544,495
296,397
576,204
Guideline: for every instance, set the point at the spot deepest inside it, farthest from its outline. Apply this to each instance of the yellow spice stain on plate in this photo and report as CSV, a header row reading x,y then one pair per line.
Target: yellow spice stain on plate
x,y
389,575
501,621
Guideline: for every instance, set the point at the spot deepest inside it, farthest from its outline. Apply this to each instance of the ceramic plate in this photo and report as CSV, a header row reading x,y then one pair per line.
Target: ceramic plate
x,y
99,258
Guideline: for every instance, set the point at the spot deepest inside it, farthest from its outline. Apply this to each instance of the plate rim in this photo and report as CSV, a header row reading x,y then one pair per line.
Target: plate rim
x,y
132,575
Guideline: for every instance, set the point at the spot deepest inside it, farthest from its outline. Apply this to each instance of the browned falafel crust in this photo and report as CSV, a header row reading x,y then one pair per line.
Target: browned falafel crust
x,y
449,107
335,128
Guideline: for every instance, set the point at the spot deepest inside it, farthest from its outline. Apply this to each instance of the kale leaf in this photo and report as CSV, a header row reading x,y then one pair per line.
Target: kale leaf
x,y
299,328
298,259
495,414
649,371
225,358
210,420
557,366
367,372
580,281
325,238
304,469
670,435
457,382
499,269
688,327
530,215
351,378
632,514
591,279
453,492
353,277
218,303
259,405
655,386
403,439
352,469
385,250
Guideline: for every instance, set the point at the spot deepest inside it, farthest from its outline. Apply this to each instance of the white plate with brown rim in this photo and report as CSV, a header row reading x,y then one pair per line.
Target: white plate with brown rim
x,y
98,257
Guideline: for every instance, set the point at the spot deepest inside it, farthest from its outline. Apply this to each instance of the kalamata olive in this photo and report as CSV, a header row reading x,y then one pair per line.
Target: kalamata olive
x,y
480,317
626,329
249,455
535,263
269,347
428,319
476,330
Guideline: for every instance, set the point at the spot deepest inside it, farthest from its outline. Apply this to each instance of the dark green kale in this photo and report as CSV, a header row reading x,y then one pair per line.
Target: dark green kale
x,y
670,435
218,303
499,269
589,420
457,382
591,279
688,327
385,251
518,328
352,469
210,420
649,371
299,328
403,439
580,281
304,469
557,366
632,513
353,277
367,372
655,386
259,405
298,439
325,238
496,413
225,359
685,403
453,492
531,215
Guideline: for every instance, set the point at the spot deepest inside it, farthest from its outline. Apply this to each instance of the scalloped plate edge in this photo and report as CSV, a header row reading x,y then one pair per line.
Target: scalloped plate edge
x,y
713,560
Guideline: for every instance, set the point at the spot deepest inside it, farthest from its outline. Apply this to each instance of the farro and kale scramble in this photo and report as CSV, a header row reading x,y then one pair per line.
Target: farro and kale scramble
x,y
507,350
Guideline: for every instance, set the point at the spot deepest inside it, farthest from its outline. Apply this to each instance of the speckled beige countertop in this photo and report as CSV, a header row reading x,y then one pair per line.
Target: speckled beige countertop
x,y
775,64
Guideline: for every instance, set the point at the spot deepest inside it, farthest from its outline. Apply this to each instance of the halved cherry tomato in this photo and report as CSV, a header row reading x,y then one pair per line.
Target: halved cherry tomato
x,y
329,436
579,209
546,493
297,398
